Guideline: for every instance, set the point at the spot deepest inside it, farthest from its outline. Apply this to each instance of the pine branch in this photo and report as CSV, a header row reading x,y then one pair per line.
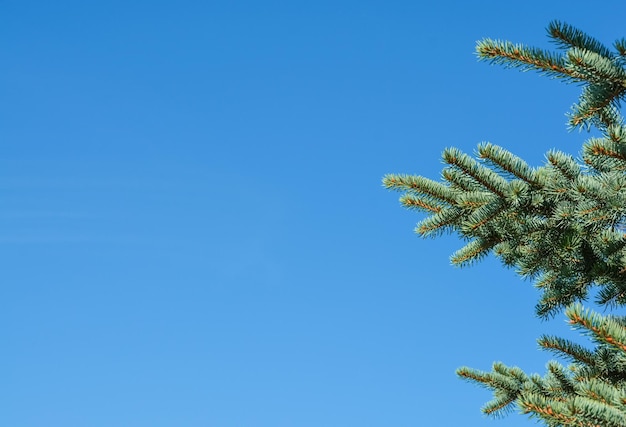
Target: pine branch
x,y
597,106
567,36
605,154
616,134
565,164
562,225
420,186
620,46
473,251
507,162
460,181
440,222
595,68
563,383
566,348
485,177
423,204
524,57
482,216
602,329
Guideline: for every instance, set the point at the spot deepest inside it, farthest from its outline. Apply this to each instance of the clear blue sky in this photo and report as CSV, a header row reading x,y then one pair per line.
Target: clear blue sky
x,y
193,231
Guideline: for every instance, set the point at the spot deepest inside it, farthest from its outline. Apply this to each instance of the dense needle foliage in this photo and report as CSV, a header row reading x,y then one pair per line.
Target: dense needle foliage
x,y
561,224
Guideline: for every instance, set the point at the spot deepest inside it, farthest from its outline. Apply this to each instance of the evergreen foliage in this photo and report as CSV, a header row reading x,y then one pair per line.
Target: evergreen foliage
x,y
560,224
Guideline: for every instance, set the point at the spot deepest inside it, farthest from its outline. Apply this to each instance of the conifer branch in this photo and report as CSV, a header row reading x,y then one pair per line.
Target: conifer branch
x,y
566,348
595,68
602,329
563,383
419,185
567,36
565,164
441,221
620,46
605,155
473,251
562,225
597,106
612,293
410,201
507,162
460,181
616,133
485,177
482,216
523,57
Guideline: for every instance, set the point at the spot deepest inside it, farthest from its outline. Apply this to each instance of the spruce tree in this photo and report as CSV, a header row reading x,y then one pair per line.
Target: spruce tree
x,y
560,224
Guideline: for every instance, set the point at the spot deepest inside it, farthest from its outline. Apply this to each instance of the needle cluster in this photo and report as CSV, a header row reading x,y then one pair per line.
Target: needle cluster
x,y
561,224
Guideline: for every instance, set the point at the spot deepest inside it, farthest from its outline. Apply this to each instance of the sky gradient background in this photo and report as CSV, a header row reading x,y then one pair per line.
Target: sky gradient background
x,y
193,230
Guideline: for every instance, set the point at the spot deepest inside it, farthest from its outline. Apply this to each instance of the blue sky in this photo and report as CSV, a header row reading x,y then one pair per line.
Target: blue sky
x,y
193,231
